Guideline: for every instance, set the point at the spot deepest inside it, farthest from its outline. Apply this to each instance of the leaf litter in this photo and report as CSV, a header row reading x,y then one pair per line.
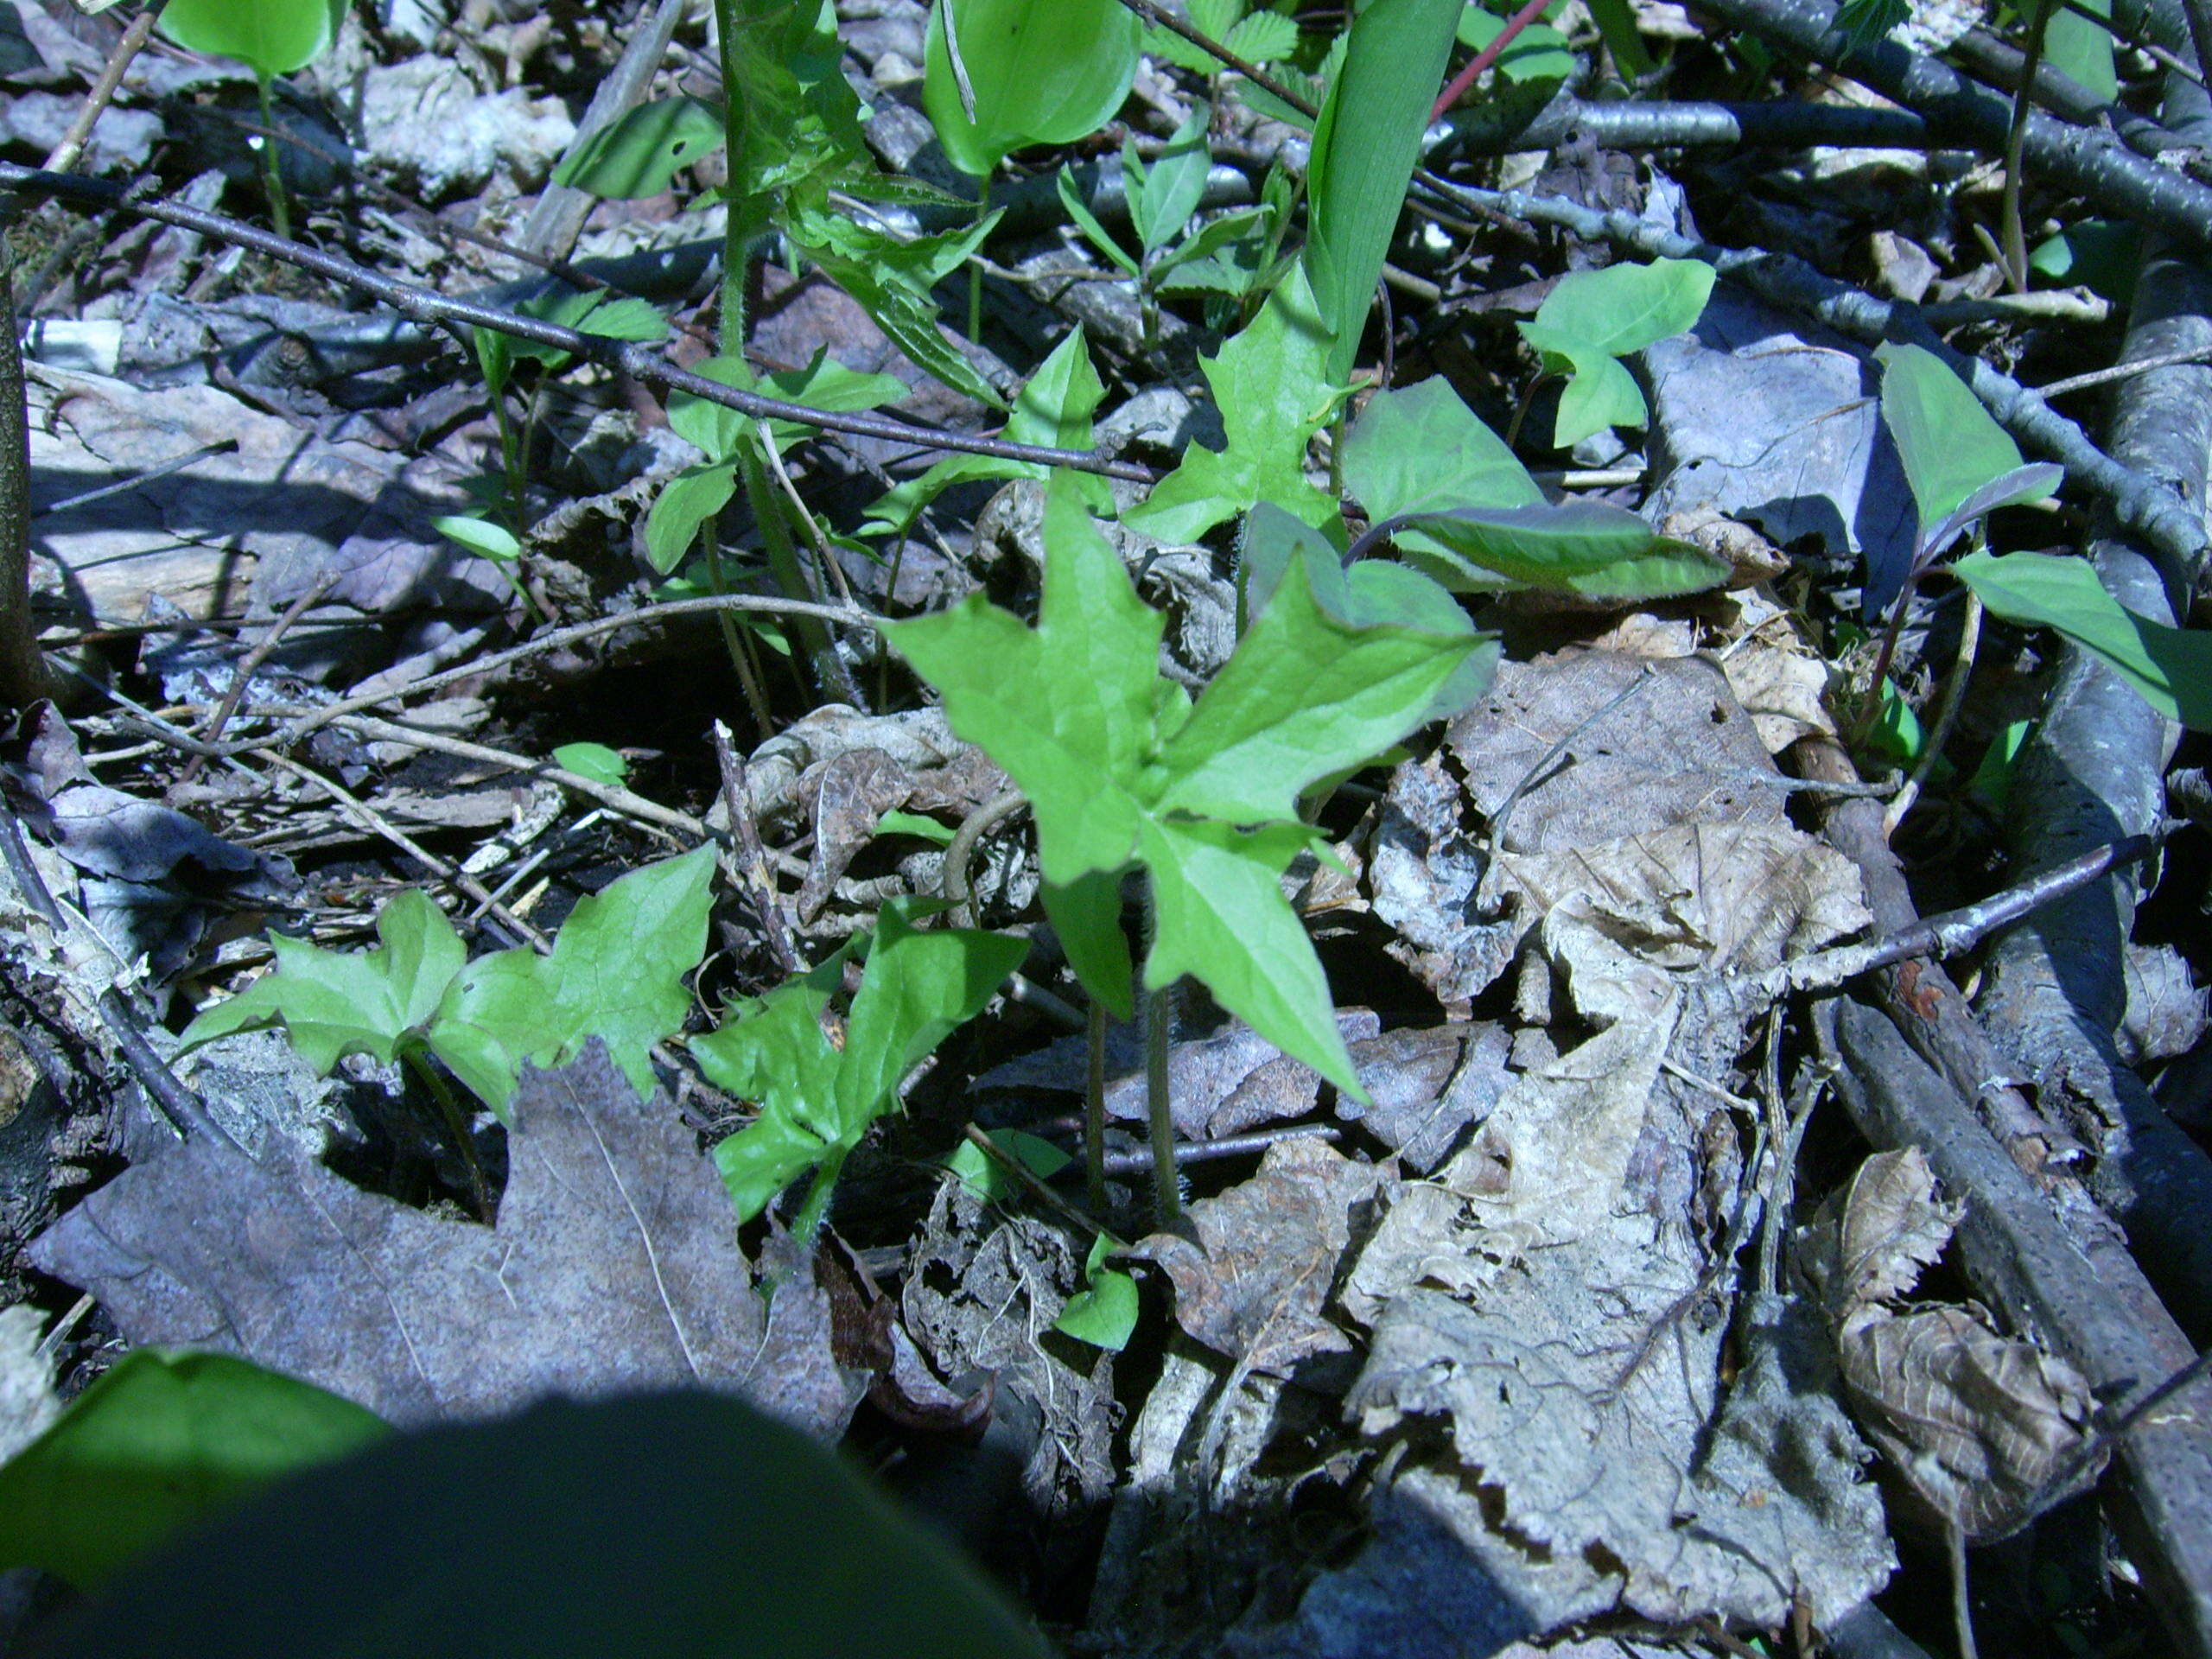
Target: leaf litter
x,y
1520,1340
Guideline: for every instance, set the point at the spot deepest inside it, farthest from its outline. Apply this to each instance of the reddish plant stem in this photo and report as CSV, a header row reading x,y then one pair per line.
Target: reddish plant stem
x,y
1457,86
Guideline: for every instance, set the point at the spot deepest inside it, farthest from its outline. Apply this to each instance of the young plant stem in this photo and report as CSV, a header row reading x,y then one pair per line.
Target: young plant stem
x,y
2016,138
1094,1113
1166,1192
1946,715
280,207
976,266
480,1190
733,639
789,574
1890,634
811,1213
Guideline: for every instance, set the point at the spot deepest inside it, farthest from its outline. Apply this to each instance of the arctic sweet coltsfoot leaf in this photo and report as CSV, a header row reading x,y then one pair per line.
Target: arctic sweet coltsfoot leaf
x,y
818,1099
616,973
333,1004
1272,386
1121,768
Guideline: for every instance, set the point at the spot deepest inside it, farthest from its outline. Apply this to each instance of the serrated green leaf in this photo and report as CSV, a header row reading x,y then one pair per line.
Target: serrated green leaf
x,y
275,37
1215,18
1042,72
1625,307
1950,445
1365,145
1263,37
1274,392
641,153
158,1444
334,1003
616,973
797,119
2170,667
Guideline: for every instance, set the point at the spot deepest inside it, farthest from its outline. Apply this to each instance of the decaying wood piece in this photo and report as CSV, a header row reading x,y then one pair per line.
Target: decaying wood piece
x,y
22,666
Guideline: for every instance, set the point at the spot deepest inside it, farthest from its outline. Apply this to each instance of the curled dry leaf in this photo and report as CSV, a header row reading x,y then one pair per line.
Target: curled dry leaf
x,y
1978,1423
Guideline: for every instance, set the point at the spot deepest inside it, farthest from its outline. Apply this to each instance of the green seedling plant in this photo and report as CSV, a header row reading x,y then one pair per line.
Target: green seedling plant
x,y
615,972
1592,319
819,1098
1121,769
1104,1312
271,37
1261,35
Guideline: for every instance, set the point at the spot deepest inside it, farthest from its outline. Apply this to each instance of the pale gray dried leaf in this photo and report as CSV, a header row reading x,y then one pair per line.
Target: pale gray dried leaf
x,y
1870,1241
1425,1086
851,793
1768,418
776,773
1976,1422
1584,1475
614,1267
28,1402
1256,1283
1424,866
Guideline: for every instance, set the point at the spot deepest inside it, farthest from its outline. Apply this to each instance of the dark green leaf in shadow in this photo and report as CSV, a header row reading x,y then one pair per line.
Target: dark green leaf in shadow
x,y
640,155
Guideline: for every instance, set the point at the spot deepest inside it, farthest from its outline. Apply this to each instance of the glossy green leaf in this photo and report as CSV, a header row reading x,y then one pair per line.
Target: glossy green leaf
x,y
333,1004
641,153
1950,445
892,279
913,823
1041,71
1094,231
645,1528
818,1099
1365,146
163,1440
1577,547
1113,757
1274,392
274,36
1422,449
593,761
2171,667
2031,482
616,973
1163,196
480,536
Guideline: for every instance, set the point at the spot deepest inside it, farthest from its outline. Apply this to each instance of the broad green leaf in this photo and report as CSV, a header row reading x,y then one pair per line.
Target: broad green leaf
x,y
1365,146
1086,914
913,823
2081,48
772,1050
797,119
1274,392
1053,408
2103,255
640,155
593,761
1110,752
669,1524
1104,1312
1423,449
1600,391
616,973
685,502
334,1003
980,1172
274,36
1065,707
480,536
2171,667
1616,24
1305,695
1583,548
611,316
918,989
903,310
161,1442
1220,916
1624,308
1163,197
1950,445
1042,72
2030,483
1538,53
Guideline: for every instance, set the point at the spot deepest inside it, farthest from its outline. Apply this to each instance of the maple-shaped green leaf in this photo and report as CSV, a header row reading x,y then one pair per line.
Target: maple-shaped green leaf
x,y
1121,767
1274,391
616,973
816,1098
333,1004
